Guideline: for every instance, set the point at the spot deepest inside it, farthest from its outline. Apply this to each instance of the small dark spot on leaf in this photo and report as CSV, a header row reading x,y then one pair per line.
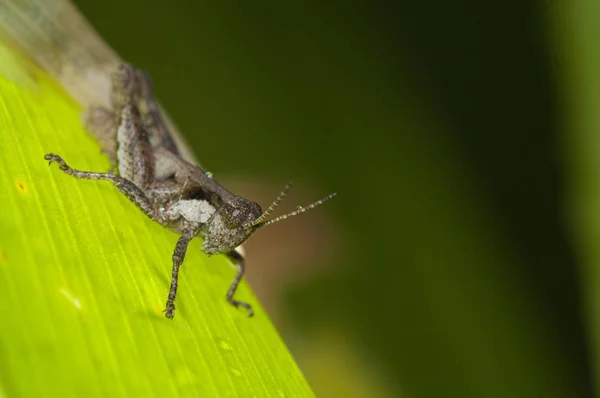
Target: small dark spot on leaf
x,y
21,186
4,255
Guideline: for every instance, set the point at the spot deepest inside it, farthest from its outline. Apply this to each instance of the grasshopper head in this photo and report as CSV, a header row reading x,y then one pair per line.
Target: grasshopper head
x,y
230,226
235,222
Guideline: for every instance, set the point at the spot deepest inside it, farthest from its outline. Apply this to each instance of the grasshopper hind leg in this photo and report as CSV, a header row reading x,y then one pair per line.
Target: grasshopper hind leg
x,y
128,188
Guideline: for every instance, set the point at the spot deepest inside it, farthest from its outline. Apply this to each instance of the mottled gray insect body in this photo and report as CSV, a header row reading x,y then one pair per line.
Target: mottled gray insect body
x,y
181,196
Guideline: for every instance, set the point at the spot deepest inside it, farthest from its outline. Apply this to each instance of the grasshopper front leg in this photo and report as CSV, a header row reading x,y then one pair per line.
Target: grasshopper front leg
x,y
178,257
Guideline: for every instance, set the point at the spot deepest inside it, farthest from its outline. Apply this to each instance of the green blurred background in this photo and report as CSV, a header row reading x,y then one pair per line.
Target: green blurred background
x,y
446,266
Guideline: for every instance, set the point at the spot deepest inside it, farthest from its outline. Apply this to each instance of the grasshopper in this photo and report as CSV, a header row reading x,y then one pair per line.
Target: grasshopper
x,y
183,197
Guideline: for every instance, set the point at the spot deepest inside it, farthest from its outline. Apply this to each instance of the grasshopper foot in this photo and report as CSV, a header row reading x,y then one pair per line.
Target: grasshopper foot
x,y
238,304
170,310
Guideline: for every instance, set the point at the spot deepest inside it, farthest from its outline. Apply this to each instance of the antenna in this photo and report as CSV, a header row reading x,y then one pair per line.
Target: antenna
x,y
299,210
273,205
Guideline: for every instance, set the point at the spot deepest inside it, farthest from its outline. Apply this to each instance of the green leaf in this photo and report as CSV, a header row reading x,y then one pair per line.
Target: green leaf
x,y
85,274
